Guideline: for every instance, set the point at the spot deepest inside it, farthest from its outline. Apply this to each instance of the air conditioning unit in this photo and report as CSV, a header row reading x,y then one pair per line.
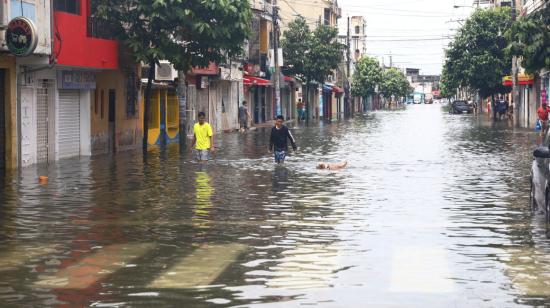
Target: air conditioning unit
x,y
165,71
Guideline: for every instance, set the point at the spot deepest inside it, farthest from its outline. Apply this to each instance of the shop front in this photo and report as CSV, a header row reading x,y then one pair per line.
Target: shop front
x,y
73,113
8,144
257,89
163,115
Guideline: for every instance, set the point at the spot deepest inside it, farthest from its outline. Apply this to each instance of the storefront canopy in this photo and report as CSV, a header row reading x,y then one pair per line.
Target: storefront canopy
x,y
523,80
327,88
255,81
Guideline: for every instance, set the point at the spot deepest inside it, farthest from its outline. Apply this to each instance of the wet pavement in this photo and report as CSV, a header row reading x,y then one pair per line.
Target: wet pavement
x,y
432,212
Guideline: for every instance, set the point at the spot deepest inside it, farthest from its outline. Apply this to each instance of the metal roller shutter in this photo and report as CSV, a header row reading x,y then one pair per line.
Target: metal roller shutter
x,y
69,124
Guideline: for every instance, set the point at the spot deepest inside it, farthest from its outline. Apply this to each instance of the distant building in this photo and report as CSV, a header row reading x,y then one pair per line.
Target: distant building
x,y
425,84
326,12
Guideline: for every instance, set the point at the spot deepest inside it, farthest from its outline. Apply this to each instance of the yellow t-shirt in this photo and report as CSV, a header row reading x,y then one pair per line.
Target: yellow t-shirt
x,y
203,134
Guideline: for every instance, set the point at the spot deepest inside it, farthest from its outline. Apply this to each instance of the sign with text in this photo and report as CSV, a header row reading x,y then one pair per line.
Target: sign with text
x,y
21,36
76,80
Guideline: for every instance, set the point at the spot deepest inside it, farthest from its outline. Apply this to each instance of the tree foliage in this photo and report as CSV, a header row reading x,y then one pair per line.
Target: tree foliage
x,y
477,58
366,77
295,44
394,82
187,33
324,55
530,39
448,84
312,55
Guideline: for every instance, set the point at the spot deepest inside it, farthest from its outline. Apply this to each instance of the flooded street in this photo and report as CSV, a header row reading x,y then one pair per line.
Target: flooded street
x,y
433,211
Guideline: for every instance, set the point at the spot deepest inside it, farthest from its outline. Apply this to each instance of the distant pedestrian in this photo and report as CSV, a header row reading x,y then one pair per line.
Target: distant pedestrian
x,y
542,112
278,141
203,139
502,106
300,109
244,117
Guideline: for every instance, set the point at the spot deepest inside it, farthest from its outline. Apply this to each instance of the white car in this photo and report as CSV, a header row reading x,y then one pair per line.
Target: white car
x,y
540,177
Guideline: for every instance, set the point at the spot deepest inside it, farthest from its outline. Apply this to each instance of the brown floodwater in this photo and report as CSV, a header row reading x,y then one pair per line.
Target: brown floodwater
x,y
432,211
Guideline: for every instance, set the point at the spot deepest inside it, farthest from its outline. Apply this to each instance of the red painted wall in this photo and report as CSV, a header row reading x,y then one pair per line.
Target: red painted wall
x,y
73,46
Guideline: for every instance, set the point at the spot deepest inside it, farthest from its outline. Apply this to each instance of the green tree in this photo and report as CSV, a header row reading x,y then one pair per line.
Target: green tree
x,y
311,55
187,33
366,77
448,85
530,39
477,58
295,45
324,54
394,82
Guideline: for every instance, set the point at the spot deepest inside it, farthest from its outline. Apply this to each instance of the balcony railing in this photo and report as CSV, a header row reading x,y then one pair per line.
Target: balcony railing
x,y
99,28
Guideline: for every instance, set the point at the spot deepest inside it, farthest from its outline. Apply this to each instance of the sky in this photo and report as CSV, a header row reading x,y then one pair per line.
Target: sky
x,y
413,32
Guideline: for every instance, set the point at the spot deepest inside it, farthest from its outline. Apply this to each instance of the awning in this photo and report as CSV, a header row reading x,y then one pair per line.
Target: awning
x,y
211,70
327,88
336,89
289,79
523,80
255,81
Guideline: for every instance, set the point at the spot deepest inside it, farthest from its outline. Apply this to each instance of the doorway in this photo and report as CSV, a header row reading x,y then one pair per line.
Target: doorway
x,y
112,118
2,120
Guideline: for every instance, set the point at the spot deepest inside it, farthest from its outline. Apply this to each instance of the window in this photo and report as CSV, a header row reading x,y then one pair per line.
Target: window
x,y
327,17
132,94
96,100
357,30
67,6
102,103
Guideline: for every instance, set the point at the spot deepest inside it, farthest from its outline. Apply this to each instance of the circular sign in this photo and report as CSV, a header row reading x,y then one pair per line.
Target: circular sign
x,y
21,36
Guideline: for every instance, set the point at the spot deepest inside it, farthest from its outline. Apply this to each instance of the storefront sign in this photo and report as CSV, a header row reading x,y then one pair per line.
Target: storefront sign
x,y
202,82
21,36
76,80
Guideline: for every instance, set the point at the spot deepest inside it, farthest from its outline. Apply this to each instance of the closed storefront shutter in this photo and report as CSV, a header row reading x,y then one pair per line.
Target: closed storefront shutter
x,y
69,123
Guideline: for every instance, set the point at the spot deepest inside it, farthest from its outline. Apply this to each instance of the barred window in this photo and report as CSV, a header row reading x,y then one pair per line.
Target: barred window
x,y
67,6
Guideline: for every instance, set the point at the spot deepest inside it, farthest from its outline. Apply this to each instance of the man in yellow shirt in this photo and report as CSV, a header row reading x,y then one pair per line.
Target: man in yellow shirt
x,y
203,139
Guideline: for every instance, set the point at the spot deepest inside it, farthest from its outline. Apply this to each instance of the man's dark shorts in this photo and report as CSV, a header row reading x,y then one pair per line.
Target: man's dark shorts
x,y
280,156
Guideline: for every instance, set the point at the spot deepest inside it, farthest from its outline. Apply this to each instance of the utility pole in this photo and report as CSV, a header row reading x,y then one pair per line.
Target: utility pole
x,y
348,59
276,59
515,69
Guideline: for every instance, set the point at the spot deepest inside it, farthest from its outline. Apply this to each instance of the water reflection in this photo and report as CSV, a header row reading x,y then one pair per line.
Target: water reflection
x,y
432,212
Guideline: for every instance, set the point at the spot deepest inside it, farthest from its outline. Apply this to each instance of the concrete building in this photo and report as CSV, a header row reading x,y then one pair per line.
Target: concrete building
x,y
325,101
358,48
533,89
315,12
30,46
425,85
76,97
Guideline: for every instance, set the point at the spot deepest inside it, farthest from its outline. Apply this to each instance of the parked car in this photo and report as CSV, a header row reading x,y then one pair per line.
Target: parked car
x,y
540,178
461,106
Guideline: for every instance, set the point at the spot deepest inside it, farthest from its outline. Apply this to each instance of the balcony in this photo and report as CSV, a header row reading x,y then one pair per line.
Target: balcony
x,y
99,28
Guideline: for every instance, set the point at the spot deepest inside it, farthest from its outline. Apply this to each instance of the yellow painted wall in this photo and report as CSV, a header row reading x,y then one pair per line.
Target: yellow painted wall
x,y
7,62
310,10
172,114
128,129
